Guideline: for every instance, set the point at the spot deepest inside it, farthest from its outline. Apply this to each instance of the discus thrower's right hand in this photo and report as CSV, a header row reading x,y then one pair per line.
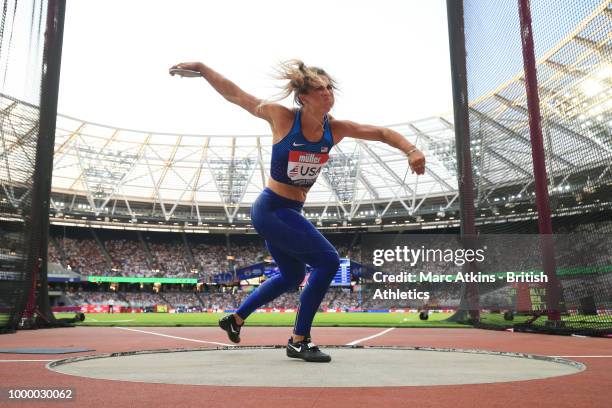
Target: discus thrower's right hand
x,y
416,160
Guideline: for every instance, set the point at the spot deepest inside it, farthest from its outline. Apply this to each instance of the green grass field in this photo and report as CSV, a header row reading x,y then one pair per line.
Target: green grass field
x,y
321,320
266,319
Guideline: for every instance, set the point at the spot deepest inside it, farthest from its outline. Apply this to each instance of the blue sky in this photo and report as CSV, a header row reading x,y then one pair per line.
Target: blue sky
x,y
390,58
493,43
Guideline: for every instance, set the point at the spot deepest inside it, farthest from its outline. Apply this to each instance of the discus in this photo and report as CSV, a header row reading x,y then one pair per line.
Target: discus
x,y
187,73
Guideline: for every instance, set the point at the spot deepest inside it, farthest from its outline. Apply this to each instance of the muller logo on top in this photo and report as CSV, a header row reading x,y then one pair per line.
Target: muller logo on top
x,y
309,158
305,166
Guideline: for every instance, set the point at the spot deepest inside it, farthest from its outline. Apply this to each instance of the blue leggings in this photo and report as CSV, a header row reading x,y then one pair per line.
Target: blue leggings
x,y
293,242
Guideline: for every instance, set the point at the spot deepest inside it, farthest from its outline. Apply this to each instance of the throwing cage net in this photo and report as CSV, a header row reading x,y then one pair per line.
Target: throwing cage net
x,y
30,50
533,120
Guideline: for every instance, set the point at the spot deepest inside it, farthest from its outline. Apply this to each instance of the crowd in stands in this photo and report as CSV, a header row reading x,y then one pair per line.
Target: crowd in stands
x,y
142,299
81,255
11,243
171,260
211,259
588,245
80,298
54,255
220,300
598,288
249,254
182,299
124,299
129,258
203,259
339,298
163,257
345,251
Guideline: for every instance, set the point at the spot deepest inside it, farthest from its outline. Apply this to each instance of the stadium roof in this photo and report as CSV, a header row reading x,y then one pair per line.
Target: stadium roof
x,y
108,163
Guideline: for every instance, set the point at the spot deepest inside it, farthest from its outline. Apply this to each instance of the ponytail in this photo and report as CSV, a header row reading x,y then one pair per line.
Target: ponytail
x,y
300,78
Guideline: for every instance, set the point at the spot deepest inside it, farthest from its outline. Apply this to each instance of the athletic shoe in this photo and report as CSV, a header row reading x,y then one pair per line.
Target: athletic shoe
x,y
228,323
307,351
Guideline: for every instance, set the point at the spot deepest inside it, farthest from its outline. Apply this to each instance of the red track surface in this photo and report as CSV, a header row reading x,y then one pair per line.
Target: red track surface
x,y
591,388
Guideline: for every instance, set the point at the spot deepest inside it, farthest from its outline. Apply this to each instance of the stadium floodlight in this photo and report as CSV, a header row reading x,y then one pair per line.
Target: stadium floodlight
x,y
378,221
591,87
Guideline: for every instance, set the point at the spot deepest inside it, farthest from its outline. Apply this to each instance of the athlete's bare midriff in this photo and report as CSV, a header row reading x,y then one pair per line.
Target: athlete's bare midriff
x,y
285,190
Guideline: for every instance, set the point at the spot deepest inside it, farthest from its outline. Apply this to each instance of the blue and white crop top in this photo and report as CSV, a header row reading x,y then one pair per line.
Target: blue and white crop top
x,y
297,161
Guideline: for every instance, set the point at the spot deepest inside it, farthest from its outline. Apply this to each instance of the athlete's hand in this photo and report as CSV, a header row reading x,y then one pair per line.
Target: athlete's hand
x,y
193,66
416,159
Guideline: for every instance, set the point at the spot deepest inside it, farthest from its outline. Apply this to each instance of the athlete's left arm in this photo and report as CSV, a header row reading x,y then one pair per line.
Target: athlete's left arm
x,y
346,128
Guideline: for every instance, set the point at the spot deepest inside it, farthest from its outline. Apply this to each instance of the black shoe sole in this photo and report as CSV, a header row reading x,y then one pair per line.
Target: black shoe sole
x,y
326,359
233,338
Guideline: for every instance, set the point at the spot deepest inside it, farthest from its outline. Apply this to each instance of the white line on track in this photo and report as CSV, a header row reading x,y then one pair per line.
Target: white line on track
x,y
352,343
175,337
20,361
610,356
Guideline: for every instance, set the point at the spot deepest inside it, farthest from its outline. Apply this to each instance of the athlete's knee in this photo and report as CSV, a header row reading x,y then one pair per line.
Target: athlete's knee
x,y
292,282
330,261
296,280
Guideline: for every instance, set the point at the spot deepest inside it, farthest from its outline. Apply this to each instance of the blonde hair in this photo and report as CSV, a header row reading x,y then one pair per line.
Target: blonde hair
x,y
300,78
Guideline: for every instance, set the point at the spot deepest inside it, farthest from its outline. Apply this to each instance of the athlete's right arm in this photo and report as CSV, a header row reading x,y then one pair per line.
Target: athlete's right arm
x,y
271,112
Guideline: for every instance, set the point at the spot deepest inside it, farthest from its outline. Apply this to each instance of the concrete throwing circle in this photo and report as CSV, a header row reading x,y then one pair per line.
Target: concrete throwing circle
x,y
267,366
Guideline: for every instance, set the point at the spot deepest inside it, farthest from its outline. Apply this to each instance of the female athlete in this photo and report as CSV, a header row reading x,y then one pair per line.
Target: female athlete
x,y
302,140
